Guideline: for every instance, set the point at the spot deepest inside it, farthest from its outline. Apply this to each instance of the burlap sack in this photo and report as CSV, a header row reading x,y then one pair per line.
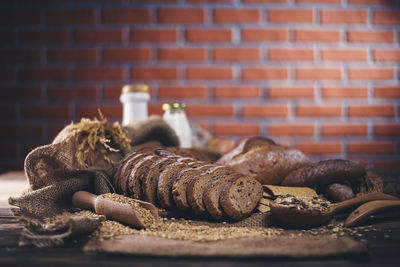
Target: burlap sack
x,y
54,174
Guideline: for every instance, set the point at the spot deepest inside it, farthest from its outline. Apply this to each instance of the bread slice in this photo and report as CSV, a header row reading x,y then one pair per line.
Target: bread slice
x,y
137,174
117,174
149,185
126,171
196,187
211,196
180,185
167,177
240,196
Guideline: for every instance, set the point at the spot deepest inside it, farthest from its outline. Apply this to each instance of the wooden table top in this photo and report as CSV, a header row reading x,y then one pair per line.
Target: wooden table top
x,y
383,239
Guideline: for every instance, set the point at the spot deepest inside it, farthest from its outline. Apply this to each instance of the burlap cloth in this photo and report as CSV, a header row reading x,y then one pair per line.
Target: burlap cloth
x,y
54,175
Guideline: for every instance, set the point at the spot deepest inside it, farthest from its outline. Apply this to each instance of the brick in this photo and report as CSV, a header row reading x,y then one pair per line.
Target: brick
x,y
209,73
24,131
370,148
387,92
155,110
290,92
181,54
238,129
108,111
386,55
386,165
70,16
250,91
318,73
318,111
236,15
317,36
45,74
157,73
387,129
182,91
8,74
210,110
291,129
343,55
208,35
127,54
98,35
66,93
237,54
21,93
290,54
370,73
319,1
386,17
72,55
290,15
344,129
260,73
343,16
153,35
125,15
319,148
44,36
20,16
45,112
371,111
264,35
20,55
180,15
99,74
265,111
370,36
344,92
372,2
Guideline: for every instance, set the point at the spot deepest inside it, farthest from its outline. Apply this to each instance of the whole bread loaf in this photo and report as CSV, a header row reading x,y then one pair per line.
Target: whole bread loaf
x,y
264,160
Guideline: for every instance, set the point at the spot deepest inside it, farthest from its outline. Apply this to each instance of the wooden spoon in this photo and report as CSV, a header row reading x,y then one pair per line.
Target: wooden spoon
x,y
112,209
363,213
305,218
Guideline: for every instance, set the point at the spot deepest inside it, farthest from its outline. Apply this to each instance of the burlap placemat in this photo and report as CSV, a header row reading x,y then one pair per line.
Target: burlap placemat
x,y
277,246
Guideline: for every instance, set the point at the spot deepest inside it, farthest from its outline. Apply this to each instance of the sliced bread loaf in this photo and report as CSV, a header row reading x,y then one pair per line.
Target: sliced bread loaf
x,y
240,196
167,177
149,185
126,171
197,186
137,174
211,195
180,185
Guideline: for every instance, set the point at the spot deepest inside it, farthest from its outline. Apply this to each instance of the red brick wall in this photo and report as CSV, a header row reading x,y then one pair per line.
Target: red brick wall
x,y
319,75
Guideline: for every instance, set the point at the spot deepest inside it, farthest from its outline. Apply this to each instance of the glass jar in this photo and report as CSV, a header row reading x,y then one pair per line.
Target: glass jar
x,y
134,98
175,116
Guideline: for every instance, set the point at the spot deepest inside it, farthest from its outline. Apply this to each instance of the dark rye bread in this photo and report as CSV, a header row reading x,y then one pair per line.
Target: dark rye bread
x,y
126,171
137,174
196,187
149,185
117,174
240,196
168,176
180,184
212,193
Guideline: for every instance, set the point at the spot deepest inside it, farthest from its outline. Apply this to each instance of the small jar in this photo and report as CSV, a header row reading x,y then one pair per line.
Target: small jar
x,y
134,98
175,116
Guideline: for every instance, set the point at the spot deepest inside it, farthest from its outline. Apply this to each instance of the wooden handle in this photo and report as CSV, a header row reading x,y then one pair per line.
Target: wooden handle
x,y
362,213
84,200
360,200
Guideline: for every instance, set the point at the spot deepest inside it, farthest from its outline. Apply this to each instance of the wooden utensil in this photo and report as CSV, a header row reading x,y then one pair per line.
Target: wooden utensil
x,y
305,218
363,213
112,209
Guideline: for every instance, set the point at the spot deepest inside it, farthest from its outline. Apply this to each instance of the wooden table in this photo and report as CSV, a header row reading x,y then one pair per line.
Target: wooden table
x,y
384,248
